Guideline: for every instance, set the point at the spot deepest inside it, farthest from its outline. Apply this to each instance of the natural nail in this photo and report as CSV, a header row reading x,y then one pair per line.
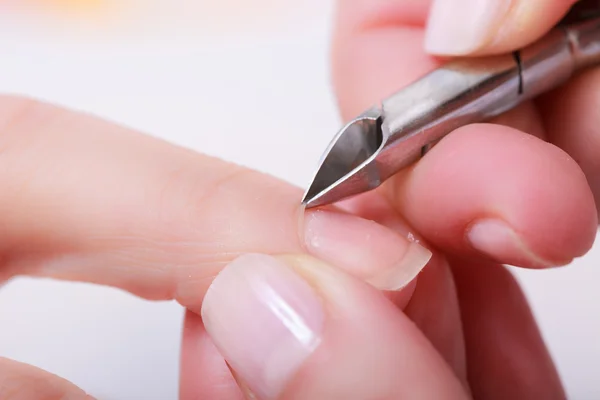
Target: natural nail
x,y
364,248
496,239
264,319
459,27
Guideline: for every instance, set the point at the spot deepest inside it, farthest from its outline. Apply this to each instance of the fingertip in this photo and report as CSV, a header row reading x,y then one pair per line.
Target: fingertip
x,y
364,248
474,27
463,27
497,192
298,328
573,122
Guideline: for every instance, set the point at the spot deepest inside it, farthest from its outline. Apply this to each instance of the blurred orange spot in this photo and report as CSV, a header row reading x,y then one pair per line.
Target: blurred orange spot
x,y
71,5
78,4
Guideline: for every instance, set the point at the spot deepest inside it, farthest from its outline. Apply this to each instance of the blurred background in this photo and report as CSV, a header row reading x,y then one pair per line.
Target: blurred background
x,y
203,74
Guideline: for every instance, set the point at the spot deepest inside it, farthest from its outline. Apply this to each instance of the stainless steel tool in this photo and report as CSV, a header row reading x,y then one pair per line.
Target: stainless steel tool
x,y
385,139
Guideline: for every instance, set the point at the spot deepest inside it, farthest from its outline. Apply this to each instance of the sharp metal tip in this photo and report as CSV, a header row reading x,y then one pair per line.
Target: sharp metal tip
x,y
347,168
308,203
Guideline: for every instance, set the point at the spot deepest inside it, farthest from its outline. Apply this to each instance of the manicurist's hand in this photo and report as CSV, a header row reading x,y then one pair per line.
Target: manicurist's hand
x,y
518,191
344,303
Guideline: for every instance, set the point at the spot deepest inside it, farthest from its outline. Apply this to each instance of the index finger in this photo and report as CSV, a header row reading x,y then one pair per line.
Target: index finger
x,y
86,200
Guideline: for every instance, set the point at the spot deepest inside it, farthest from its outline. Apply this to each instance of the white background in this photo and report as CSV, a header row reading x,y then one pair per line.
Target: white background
x,y
227,85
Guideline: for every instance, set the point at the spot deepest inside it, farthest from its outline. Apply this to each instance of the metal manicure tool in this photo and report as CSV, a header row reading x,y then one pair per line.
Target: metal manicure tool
x,y
383,140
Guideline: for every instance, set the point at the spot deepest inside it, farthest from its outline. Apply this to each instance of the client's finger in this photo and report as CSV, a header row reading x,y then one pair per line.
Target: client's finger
x,y
20,381
433,304
506,355
295,328
86,200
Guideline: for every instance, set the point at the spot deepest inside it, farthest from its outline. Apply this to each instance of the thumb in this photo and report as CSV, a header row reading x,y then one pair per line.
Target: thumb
x,y
465,27
294,328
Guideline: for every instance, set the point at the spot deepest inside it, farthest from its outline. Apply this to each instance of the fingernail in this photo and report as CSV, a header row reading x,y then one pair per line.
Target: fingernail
x,y
364,248
459,27
499,241
264,319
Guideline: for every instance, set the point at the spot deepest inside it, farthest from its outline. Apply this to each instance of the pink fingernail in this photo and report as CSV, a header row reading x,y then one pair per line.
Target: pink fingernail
x,y
497,240
264,319
364,248
459,27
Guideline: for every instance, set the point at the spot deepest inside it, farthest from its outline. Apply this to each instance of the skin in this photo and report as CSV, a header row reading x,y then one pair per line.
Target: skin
x,y
70,190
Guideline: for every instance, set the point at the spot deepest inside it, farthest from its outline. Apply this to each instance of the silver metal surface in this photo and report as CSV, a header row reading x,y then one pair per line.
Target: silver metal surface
x,y
585,44
386,139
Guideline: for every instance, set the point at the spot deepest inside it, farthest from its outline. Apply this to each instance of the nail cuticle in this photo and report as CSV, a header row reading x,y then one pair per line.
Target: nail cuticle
x,y
301,226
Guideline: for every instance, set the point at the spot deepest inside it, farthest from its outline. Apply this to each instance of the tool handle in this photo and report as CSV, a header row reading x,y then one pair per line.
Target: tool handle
x,y
468,91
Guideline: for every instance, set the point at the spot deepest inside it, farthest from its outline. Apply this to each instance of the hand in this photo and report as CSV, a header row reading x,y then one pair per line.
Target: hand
x,y
86,200
508,192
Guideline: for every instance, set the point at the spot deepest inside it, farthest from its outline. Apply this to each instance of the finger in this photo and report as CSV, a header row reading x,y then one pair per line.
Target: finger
x,y
434,309
572,123
388,39
294,328
376,51
379,46
433,305
86,200
492,191
204,374
464,27
506,355
20,381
